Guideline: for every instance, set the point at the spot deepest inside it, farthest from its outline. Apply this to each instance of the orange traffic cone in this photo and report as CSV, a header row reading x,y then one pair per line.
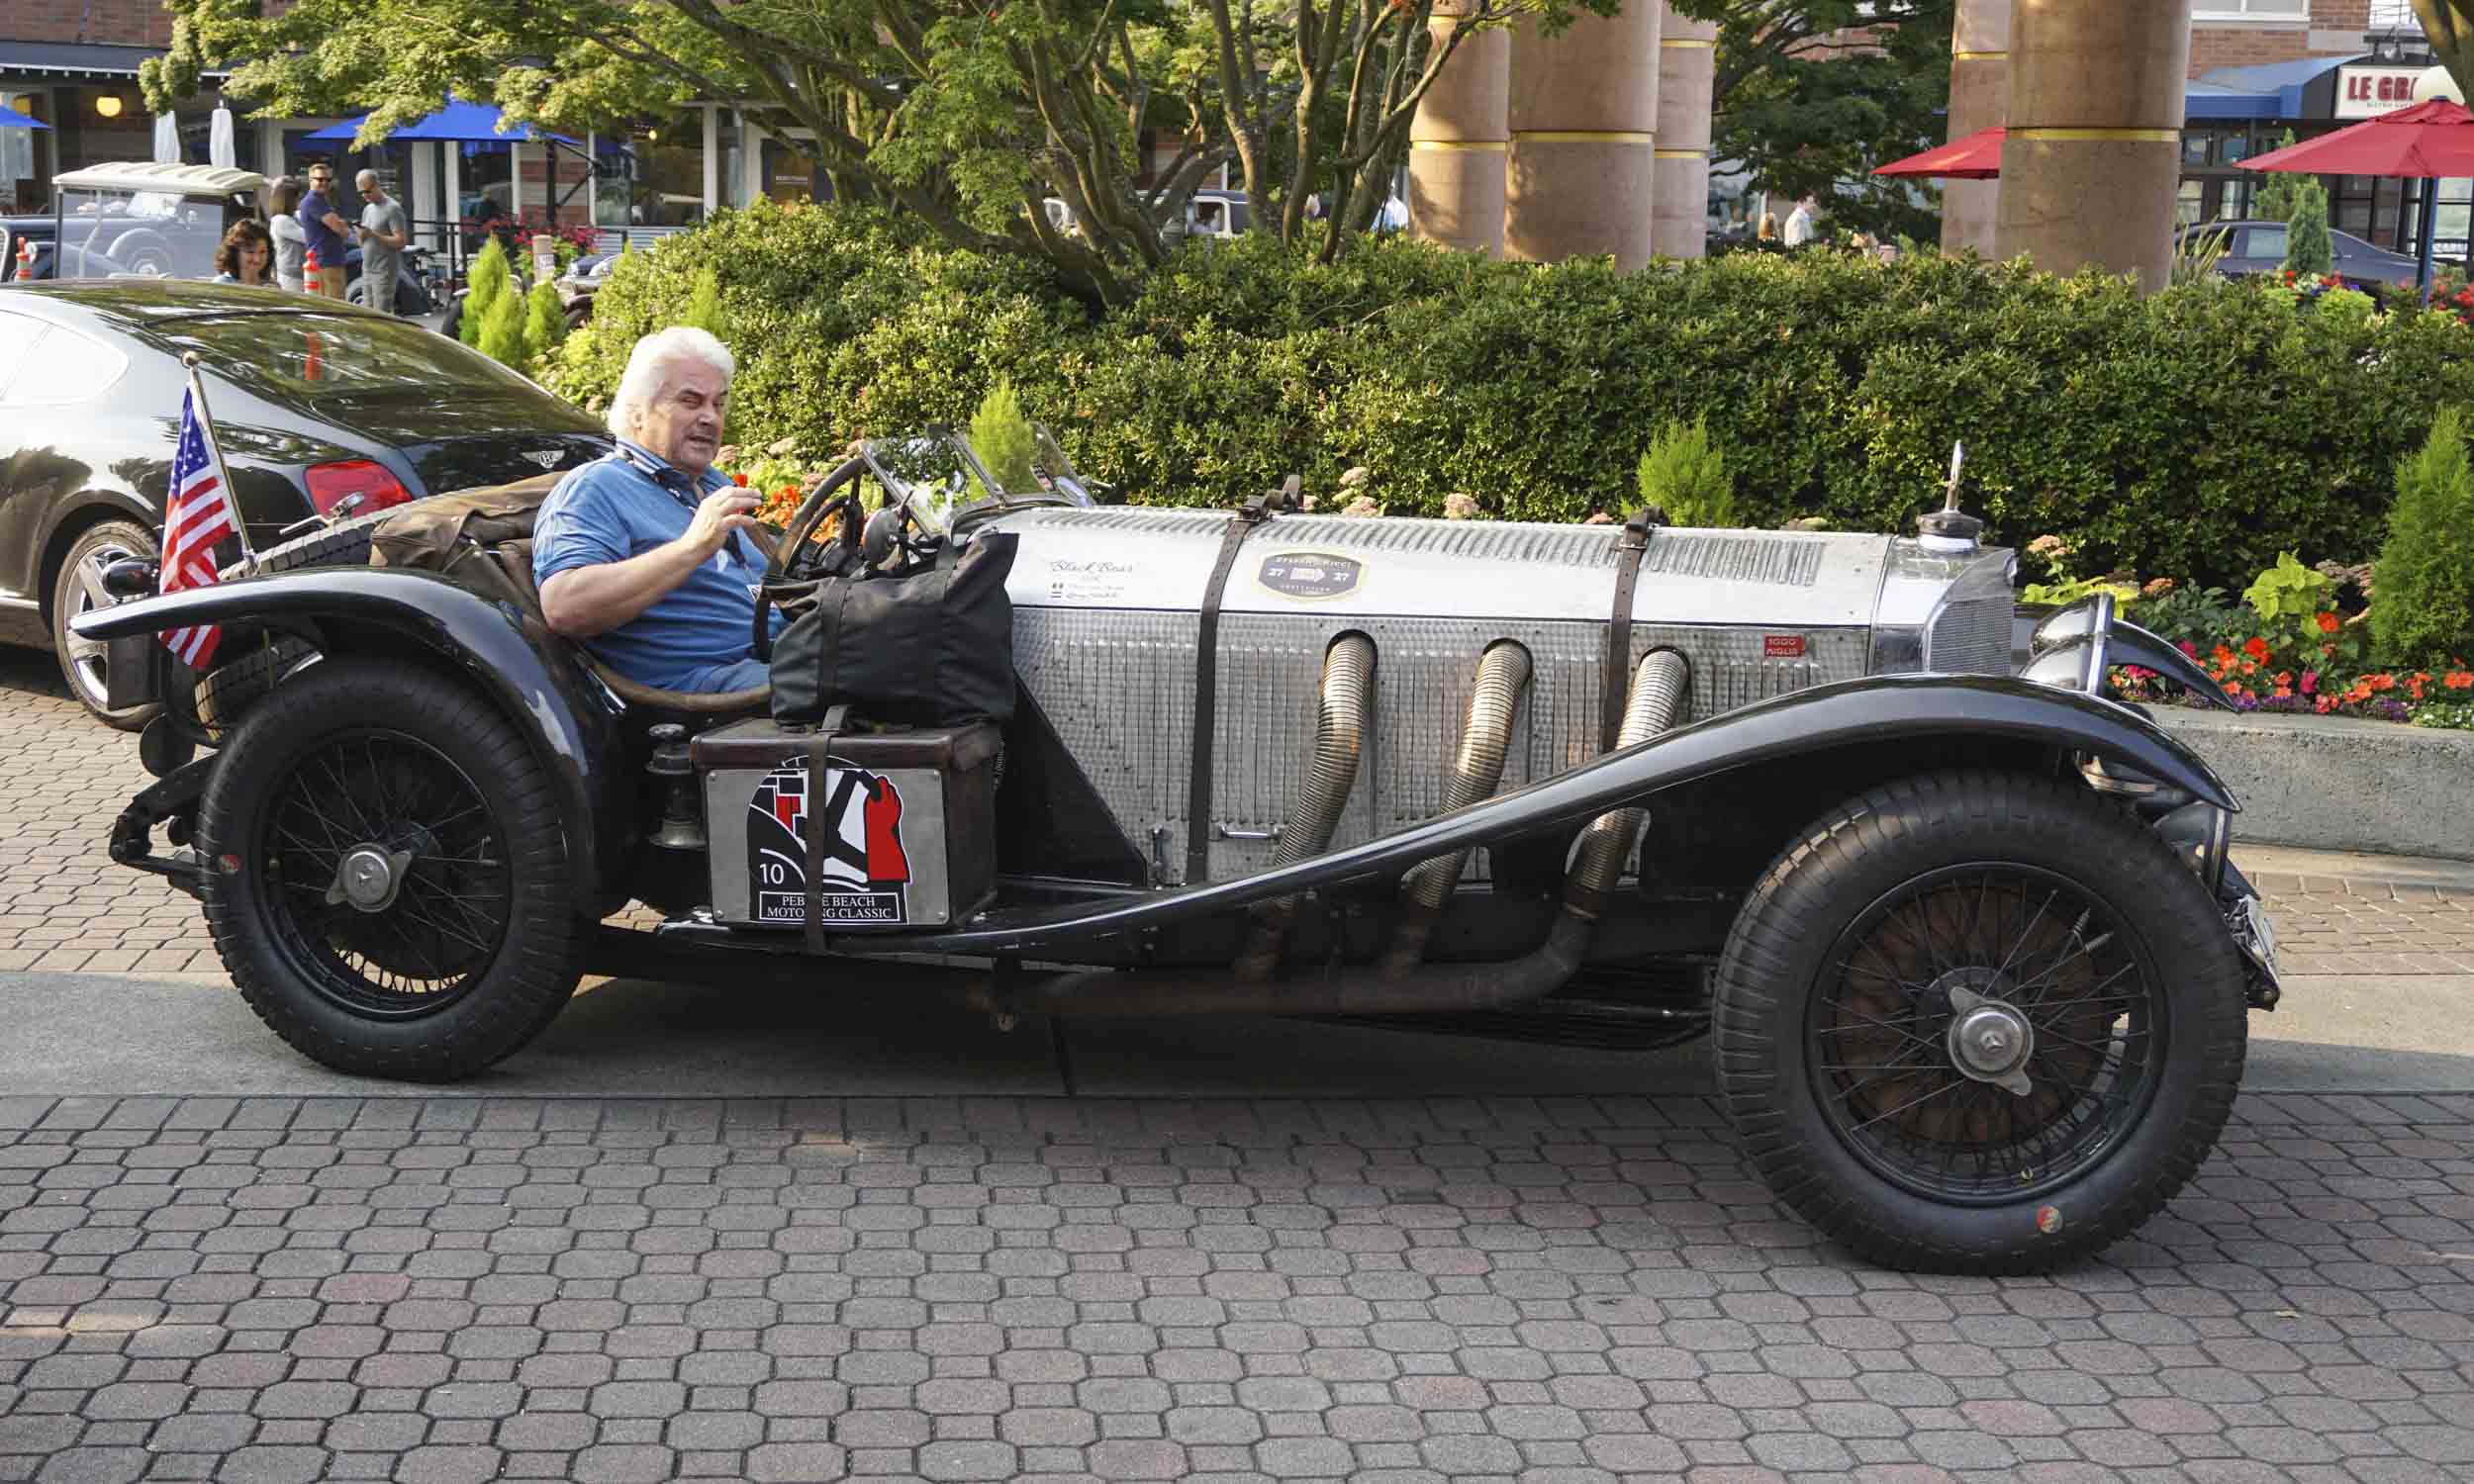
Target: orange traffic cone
x,y
25,259
309,273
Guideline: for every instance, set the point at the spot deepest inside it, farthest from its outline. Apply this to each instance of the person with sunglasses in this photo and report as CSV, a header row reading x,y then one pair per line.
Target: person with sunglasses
x,y
328,234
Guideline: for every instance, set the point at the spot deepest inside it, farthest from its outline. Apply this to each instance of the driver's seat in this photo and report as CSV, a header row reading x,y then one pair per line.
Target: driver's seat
x,y
511,561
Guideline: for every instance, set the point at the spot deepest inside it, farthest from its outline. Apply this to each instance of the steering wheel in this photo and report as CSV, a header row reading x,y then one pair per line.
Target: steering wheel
x,y
797,559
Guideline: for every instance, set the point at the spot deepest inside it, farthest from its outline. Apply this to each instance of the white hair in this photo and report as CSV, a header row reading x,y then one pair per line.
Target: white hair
x,y
652,358
366,179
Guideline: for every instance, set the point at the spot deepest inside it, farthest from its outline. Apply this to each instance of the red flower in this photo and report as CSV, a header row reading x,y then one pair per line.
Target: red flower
x,y
2311,683
739,480
2222,655
2190,649
2328,623
2256,648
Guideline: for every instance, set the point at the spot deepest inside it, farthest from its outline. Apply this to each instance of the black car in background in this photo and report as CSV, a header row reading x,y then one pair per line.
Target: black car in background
x,y
321,407
2260,248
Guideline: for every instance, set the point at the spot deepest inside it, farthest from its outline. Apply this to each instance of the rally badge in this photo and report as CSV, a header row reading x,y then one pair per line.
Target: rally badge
x,y
866,873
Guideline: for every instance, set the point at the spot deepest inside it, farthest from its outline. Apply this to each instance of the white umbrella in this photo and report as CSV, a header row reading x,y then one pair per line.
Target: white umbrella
x,y
218,147
167,139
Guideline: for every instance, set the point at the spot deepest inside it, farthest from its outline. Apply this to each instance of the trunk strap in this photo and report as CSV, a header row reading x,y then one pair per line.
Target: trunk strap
x,y
835,718
1255,512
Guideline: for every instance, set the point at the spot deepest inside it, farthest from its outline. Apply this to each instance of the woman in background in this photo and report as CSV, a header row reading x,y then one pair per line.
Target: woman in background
x,y
284,198
244,256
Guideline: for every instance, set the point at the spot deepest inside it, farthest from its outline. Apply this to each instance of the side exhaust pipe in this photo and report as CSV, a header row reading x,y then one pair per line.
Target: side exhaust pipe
x,y
1655,698
1485,739
1332,770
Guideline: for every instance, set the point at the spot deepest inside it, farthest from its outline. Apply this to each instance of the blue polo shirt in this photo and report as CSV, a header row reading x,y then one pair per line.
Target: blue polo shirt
x,y
696,636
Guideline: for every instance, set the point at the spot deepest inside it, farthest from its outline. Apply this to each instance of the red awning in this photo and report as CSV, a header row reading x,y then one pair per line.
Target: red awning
x,y
2432,141
1975,156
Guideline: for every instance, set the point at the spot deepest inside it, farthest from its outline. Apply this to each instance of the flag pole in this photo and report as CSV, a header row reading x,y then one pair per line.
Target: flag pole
x,y
215,452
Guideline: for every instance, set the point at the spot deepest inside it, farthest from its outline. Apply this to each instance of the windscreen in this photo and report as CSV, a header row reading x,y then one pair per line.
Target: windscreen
x,y
314,356
949,481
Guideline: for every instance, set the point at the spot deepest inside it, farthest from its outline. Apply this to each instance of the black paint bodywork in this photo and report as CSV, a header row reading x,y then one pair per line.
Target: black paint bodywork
x,y
107,453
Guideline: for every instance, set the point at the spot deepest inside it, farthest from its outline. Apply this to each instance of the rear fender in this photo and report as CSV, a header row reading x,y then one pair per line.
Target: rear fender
x,y
348,610
1923,710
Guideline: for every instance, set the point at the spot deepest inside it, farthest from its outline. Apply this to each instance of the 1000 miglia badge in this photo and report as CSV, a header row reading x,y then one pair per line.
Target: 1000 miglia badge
x,y
866,874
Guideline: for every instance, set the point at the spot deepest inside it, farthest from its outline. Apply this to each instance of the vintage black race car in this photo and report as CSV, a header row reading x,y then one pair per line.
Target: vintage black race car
x,y
1974,958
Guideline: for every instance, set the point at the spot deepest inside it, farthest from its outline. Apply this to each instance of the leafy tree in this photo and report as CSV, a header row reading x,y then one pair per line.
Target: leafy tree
x,y
2308,250
484,284
969,117
2280,192
545,323
2449,27
1812,94
2423,594
503,330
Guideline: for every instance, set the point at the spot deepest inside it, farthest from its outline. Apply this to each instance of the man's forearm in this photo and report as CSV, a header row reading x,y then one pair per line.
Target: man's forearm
x,y
583,601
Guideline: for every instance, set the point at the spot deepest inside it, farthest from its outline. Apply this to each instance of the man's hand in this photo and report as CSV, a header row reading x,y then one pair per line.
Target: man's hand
x,y
716,516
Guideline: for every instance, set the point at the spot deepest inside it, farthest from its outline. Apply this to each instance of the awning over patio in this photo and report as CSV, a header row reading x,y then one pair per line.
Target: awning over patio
x,y
459,123
77,60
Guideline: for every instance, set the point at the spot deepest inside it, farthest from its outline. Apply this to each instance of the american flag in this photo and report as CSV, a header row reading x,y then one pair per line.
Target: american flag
x,y
198,515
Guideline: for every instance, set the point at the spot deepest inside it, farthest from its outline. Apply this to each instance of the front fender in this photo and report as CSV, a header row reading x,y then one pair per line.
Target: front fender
x,y
1876,710
568,727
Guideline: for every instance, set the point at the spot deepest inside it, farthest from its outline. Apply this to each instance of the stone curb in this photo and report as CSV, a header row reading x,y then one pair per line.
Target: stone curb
x,y
2338,783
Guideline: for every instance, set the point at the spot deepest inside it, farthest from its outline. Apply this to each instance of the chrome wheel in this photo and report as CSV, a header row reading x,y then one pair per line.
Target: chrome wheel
x,y
81,592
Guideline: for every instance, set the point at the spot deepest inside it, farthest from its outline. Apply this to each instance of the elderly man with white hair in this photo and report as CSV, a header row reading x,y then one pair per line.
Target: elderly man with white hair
x,y
641,554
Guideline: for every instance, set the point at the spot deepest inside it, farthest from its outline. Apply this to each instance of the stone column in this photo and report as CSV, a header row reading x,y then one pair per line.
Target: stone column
x,y
1687,73
2094,154
1584,119
1979,98
1458,141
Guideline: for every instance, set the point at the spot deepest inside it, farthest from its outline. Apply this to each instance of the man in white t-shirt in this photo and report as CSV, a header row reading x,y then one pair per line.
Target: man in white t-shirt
x,y
1802,222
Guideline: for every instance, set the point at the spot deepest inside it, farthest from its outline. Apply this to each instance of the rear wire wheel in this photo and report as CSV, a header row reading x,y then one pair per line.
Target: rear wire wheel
x,y
1978,1023
387,874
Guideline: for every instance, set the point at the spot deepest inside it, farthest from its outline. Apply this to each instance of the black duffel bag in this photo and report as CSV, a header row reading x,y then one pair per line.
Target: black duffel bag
x,y
930,644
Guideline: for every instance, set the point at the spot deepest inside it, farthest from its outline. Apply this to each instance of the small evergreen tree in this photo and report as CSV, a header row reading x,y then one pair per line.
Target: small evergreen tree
x,y
704,306
1684,475
2422,587
1001,434
545,323
484,286
2279,192
503,331
2308,250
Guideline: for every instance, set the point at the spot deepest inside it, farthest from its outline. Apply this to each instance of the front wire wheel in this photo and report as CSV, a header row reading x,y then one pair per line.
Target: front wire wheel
x,y
1978,1023
388,882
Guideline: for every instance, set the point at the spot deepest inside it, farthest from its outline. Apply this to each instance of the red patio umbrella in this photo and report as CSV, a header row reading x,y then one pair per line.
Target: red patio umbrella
x,y
1975,156
2431,140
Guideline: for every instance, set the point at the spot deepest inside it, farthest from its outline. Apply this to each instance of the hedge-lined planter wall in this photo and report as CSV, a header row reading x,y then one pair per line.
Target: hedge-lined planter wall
x,y
2193,434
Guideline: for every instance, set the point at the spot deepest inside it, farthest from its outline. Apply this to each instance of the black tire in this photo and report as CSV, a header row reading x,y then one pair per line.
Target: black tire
x,y
475,949
77,588
1836,941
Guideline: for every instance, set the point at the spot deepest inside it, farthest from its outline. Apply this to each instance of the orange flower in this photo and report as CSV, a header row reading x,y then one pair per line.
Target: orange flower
x,y
2328,623
2458,680
2284,692
2222,655
2285,677
2383,682
2256,648
739,480
2250,666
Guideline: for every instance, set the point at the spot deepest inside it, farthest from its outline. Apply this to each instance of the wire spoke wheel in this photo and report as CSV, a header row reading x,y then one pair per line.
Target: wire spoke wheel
x,y
2004,955
388,880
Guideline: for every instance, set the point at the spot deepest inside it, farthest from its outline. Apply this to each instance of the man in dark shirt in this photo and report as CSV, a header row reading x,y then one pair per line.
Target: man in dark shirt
x,y
327,234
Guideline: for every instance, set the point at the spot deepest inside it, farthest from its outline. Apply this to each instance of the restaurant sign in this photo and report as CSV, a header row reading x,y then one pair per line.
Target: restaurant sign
x,y
2368,92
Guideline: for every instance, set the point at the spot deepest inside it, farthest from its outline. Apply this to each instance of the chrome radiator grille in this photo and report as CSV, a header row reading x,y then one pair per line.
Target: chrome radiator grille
x,y
1116,683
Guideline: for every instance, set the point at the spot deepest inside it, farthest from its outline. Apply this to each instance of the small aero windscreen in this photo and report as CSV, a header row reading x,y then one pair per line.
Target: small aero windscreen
x,y
948,482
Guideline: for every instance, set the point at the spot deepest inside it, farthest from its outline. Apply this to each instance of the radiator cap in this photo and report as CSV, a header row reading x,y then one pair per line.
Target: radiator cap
x,y
1949,530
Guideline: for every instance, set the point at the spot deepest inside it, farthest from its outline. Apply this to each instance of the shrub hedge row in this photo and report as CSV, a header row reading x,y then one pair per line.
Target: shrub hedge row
x,y
2195,433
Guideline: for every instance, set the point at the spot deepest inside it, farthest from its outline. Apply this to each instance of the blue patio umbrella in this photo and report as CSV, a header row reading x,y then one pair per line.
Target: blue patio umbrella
x,y
11,119
459,123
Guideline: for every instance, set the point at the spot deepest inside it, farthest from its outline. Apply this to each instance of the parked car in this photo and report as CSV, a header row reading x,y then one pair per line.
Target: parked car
x,y
321,407
2261,247
136,220
419,284
1976,963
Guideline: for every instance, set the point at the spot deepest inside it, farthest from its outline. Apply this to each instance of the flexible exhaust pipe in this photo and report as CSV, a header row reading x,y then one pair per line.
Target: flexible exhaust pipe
x,y
1651,706
1331,772
1485,739
1659,686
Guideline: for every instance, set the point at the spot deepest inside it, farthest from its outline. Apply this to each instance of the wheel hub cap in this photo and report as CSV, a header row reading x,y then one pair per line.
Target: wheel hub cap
x,y
1990,1041
368,877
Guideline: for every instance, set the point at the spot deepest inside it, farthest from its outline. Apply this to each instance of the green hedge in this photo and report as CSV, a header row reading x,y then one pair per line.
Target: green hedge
x,y
2194,435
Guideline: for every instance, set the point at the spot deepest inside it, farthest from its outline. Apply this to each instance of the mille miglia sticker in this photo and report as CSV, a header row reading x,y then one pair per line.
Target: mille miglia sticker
x,y
1310,574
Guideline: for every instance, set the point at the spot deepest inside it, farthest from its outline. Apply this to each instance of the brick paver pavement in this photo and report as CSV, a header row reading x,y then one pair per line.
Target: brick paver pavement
x,y
958,1289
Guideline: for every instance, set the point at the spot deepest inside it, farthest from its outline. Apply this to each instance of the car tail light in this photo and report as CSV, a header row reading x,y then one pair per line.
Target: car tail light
x,y
329,484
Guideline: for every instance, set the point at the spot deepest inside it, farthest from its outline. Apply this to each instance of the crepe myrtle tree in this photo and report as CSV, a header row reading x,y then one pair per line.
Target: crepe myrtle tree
x,y
968,113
